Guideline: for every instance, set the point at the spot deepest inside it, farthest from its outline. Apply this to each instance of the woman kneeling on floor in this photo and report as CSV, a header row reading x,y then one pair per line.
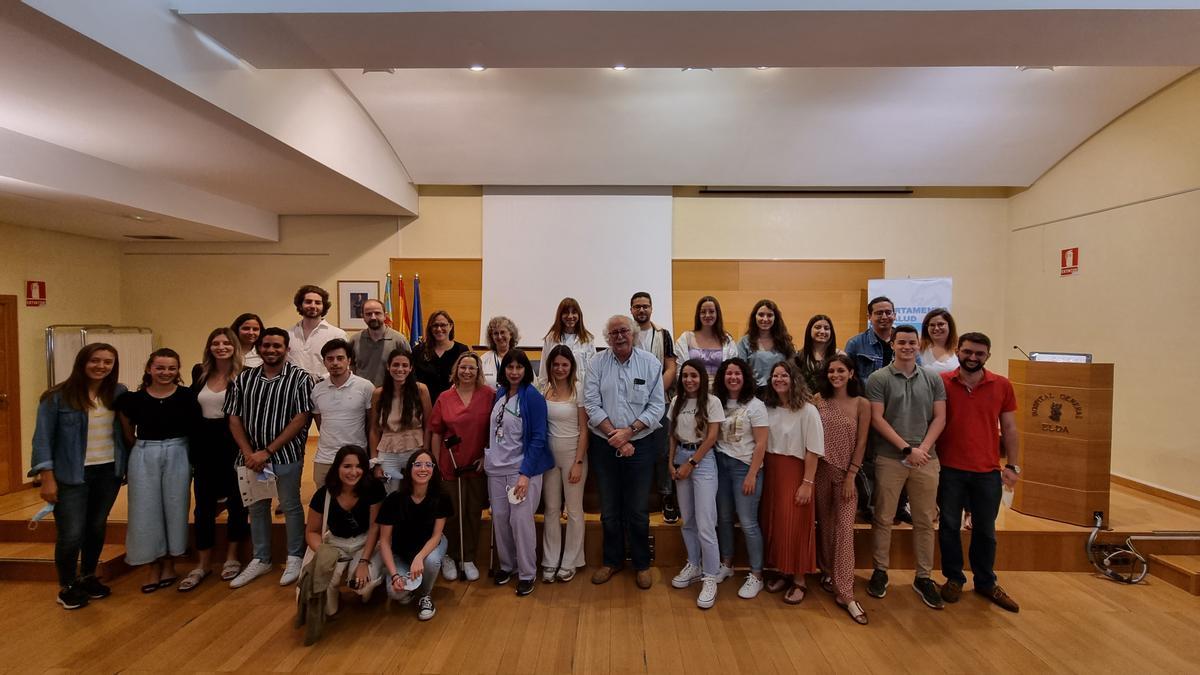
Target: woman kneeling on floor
x,y
411,523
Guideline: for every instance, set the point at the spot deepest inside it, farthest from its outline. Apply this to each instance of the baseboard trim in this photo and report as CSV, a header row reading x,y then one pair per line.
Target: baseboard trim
x,y
1156,491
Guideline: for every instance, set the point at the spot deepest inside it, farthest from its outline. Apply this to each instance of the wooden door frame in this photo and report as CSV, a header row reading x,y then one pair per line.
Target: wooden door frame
x,y
8,308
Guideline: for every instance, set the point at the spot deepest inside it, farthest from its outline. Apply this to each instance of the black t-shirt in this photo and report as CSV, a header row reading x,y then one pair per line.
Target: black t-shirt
x,y
412,524
434,372
157,419
357,520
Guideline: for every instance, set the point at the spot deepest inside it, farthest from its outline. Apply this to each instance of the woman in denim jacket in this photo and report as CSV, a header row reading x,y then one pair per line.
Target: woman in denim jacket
x,y
79,456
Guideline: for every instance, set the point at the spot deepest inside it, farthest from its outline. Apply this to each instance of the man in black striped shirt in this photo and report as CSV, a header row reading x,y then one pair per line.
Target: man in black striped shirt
x,y
269,408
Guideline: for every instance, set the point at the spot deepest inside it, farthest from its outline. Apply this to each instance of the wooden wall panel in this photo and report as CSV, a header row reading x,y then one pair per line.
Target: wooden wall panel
x,y
452,284
802,288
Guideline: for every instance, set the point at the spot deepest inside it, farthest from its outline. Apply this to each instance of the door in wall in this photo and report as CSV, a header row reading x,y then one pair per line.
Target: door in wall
x,y
10,398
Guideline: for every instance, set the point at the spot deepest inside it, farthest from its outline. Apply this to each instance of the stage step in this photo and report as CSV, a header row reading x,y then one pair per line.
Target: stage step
x,y
1178,570
34,561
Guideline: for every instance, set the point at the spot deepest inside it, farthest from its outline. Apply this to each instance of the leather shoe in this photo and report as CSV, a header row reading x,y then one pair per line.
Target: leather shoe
x,y
602,575
644,580
951,591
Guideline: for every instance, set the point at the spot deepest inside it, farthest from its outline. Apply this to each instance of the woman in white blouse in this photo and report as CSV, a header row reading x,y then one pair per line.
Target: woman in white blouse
x,y
568,329
939,341
502,336
795,444
567,431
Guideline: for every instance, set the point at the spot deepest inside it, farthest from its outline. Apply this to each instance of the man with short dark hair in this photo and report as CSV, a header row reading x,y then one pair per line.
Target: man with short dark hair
x,y
312,331
623,397
657,341
341,405
268,408
978,402
373,345
908,413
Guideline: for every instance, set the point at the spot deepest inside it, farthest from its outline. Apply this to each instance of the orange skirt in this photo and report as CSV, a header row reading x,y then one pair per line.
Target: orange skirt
x,y
790,531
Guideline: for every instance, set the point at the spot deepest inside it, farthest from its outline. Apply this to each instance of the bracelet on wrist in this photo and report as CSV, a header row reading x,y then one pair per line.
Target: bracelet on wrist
x,y
808,481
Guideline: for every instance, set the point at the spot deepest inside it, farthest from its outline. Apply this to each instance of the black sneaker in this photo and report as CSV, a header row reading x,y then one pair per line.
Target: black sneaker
x,y
72,597
92,586
502,577
524,586
929,593
670,509
877,586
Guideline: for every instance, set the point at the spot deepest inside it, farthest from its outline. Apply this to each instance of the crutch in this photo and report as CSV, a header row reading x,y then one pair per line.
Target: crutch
x,y
451,441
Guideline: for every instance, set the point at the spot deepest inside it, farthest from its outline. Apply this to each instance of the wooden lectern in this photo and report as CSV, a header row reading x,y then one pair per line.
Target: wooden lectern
x,y
1064,414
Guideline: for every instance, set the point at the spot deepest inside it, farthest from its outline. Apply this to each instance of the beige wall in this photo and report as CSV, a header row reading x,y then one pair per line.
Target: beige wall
x,y
1129,199
83,285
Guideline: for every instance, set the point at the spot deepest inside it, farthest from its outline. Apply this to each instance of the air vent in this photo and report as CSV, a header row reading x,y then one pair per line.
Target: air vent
x,y
153,237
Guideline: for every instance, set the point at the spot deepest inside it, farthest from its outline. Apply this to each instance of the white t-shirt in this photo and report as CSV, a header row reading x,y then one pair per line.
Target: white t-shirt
x,y
562,417
944,366
737,431
343,412
793,432
685,424
212,403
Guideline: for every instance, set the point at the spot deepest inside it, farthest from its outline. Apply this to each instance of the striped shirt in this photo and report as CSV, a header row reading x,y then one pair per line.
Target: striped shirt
x,y
99,436
266,405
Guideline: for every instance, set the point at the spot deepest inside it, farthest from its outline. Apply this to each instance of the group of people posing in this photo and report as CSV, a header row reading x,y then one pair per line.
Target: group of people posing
x,y
415,442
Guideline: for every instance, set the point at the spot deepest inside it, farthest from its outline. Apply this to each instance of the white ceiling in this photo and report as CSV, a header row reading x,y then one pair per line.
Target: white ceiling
x,y
794,126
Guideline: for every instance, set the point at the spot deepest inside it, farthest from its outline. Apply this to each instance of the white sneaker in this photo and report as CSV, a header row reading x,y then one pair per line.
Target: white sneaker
x,y
724,572
687,576
751,587
548,575
708,593
449,569
470,571
252,571
291,570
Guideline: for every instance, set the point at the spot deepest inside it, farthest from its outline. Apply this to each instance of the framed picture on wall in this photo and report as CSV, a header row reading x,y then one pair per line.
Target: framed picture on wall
x,y
350,298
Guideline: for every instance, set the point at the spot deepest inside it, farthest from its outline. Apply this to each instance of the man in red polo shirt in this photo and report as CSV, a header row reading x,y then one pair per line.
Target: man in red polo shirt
x,y
980,412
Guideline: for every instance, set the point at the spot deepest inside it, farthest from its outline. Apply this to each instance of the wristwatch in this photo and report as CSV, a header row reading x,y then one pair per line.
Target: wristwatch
x,y
692,461
1013,468
906,451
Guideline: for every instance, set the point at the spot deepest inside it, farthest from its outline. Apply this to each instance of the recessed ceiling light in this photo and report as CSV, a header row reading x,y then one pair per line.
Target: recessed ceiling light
x,y
619,67
140,218
1025,68
478,68
389,71
689,68
761,67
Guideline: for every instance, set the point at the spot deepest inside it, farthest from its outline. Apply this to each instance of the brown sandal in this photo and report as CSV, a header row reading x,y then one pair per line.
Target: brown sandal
x,y
855,611
778,584
796,589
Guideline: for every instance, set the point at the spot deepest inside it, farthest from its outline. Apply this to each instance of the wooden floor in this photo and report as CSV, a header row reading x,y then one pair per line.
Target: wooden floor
x,y
1070,622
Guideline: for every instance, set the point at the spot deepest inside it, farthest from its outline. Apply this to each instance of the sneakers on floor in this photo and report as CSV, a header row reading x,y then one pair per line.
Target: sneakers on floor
x,y
425,608
670,509
449,569
524,586
470,571
877,586
93,588
72,597
687,576
999,597
291,570
708,593
548,575
250,572
750,588
566,574
929,593
502,577
724,572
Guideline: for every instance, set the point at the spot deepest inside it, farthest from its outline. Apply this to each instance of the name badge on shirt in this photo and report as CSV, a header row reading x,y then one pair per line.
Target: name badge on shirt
x,y
638,380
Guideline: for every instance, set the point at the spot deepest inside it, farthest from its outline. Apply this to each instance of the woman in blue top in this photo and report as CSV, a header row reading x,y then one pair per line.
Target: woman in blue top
x,y
516,457
79,455
766,342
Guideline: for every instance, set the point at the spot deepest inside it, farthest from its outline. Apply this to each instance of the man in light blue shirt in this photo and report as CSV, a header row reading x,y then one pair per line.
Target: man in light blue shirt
x,y
623,396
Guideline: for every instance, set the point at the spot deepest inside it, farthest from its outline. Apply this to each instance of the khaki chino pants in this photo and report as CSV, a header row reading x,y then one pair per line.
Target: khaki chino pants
x,y
890,478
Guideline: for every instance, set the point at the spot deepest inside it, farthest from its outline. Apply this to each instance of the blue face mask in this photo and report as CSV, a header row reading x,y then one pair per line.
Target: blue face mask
x,y
37,517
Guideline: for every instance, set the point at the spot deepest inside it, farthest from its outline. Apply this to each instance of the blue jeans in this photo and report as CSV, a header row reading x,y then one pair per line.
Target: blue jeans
x,y
287,484
433,565
730,500
624,483
980,493
698,508
80,519
662,478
